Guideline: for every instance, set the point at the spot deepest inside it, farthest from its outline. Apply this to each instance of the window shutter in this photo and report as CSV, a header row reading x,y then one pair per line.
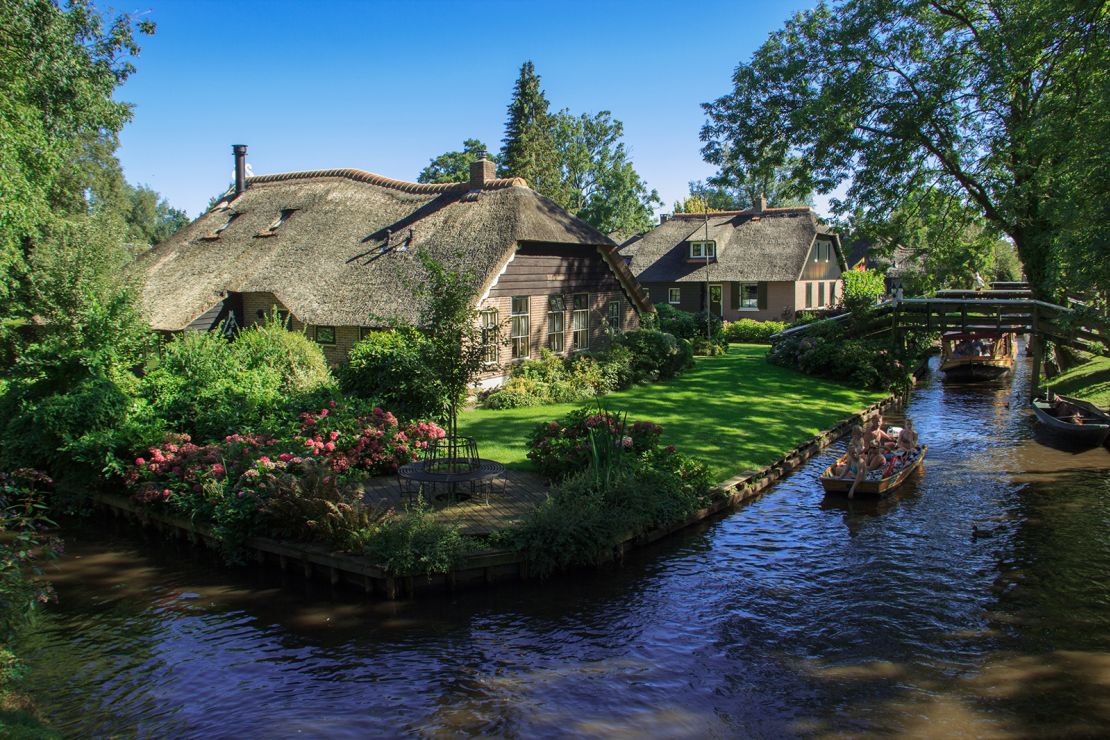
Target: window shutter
x,y
734,298
761,295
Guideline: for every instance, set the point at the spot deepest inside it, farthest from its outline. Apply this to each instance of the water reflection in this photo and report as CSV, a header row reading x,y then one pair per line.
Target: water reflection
x,y
795,615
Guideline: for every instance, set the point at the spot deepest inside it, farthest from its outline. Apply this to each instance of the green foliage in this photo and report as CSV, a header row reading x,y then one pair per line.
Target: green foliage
x,y
655,355
455,166
318,506
585,439
750,331
587,516
415,543
862,289
528,149
23,519
991,106
684,324
389,366
579,161
555,379
209,386
599,184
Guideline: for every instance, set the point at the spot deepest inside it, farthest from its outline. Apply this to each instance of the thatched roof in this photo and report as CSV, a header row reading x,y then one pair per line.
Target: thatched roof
x,y
768,245
346,255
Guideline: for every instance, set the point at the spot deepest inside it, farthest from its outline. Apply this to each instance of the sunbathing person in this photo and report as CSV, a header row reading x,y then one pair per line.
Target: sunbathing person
x,y
875,437
873,459
849,466
907,438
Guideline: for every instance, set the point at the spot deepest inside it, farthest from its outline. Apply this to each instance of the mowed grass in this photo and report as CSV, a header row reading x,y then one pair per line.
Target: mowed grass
x,y
1089,381
736,412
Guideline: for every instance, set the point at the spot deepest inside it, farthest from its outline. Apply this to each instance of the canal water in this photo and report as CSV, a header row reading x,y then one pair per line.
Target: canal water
x,y
792,616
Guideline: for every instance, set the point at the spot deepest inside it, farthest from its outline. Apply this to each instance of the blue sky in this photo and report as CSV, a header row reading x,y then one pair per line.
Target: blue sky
x,y
386,86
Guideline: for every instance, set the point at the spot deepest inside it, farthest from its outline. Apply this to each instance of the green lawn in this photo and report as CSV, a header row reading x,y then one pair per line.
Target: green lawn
x,y
1089,381
736,412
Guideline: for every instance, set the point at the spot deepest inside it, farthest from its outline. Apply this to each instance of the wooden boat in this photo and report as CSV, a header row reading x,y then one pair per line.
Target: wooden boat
x,y
976,356
880,488
1093,430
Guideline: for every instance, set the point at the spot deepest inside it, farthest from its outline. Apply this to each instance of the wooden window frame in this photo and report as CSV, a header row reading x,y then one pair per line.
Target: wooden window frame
x,y
578,312
520,339
614,317
809,295
674,296
325,327
821,294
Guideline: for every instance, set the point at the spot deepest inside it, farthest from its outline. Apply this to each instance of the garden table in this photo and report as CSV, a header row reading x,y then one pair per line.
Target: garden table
x,y
477,474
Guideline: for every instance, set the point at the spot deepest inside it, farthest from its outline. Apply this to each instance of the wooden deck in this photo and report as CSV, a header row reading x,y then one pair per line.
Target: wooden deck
x,y
509,501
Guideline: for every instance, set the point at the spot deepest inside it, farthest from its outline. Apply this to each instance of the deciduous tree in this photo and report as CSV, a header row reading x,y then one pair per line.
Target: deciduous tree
x,y
454,166
983,100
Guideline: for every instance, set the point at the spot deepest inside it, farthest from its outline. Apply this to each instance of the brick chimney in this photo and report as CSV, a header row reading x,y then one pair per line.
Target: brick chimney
x,y
482,172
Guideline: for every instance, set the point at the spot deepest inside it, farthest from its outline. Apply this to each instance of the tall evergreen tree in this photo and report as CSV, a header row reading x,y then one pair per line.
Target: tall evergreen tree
x,y
528,149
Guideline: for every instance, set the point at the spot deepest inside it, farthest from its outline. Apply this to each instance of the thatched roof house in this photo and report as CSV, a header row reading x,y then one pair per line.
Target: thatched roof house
x,y
764,263
338,249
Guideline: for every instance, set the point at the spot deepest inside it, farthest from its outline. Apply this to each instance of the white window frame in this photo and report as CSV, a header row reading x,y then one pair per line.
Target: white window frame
x,y
703,250
520,328
488,321
674,296
580,315
755,301
614,316
559,313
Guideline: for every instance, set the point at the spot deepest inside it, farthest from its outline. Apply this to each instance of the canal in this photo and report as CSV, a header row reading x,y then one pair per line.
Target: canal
x,y
791,616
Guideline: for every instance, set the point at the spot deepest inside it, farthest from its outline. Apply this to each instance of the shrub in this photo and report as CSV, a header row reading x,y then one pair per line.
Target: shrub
x,y
23,520
703,347
750,331
415,543
684,324
318,506
862,288
391,367
655,355
561,448
207,386
587,517
551,379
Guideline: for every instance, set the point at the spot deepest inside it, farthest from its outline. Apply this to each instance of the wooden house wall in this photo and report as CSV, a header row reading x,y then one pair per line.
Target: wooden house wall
x,y
824,269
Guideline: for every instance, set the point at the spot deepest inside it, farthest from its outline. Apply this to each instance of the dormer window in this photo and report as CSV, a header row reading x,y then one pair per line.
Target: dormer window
x,y
282,218
216,234
703,250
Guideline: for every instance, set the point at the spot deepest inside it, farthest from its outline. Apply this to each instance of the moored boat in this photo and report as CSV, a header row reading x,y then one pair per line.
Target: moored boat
x,y
1073,419
880,487
976,356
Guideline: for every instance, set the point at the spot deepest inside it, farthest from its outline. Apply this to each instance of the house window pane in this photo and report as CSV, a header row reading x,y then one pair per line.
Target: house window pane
x,y
581,321
556,330
820,294
519,332
489,335
614,315
674,295
701,250
325,334
832,294
809,295
749,295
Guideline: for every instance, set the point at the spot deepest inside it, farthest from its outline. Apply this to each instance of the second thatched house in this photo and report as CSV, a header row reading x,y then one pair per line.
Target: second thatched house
x,y
763,263
335,251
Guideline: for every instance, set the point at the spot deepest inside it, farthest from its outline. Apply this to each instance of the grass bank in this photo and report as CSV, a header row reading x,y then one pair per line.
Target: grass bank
x,y
1089,381
736,412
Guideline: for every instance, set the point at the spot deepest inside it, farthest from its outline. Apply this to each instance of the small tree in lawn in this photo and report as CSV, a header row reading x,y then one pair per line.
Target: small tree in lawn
x,y
450,320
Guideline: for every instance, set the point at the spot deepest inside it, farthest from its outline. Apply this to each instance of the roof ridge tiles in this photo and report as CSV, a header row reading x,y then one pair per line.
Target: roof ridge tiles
x,y
746,212
387,182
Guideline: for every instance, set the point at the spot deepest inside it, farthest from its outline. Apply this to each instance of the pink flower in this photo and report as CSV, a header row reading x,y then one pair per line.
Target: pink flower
x,y
285,457
323,413
218,470
331,404
139,461
333,436
309,443
330,447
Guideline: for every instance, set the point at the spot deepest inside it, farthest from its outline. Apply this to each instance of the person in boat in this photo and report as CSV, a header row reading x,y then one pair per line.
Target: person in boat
x,y
850,464
873,459
907,438
978,349
875,437
962,348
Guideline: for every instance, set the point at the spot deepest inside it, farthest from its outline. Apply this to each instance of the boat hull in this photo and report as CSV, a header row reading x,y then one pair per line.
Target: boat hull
x,y
1093,434
875,488
966,371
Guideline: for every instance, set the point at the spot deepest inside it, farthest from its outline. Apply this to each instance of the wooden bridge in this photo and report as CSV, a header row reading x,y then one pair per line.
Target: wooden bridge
x,y
1006,308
